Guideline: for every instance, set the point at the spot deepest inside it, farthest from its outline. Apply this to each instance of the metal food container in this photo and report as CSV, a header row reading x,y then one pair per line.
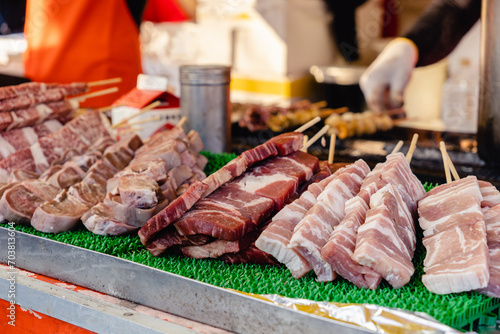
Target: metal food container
x,y
206,104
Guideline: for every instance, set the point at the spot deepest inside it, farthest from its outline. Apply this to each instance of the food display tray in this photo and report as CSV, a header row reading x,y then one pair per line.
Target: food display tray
x,y
162,290
215,304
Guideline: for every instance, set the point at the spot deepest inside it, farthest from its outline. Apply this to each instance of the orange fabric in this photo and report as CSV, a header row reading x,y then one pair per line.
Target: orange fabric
x,y
82,41
27,322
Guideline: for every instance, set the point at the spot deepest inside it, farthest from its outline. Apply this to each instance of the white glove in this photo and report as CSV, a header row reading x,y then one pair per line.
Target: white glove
x,y
385,80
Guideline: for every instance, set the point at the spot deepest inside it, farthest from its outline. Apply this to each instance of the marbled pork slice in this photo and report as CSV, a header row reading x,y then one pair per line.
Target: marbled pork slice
x,y
226,223
277,187
457,259
138,191
396,171
275,239
259,153
19,202
19,175
287,143
220,247
297,164
466,185
314,230
491,195
232,169
60,215
492,220
101,220
339,249
387,240
172,212
463,209
278,178
169,237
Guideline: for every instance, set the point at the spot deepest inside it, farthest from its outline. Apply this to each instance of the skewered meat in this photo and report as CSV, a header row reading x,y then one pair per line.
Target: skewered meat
x,y
275,238
387,240
35,115
78,135
9,92
314,230
358,124
340,248
256,117
454,237
492,220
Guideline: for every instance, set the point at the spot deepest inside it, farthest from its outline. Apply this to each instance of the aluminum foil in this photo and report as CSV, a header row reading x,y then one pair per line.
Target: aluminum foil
x,y
371,317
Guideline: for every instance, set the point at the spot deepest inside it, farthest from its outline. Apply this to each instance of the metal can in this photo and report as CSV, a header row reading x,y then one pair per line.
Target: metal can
x,y
206,104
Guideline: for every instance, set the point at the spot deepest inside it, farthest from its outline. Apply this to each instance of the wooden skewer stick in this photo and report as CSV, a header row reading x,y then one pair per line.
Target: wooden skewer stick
x,y
132,129
104,82
142,111
324,113
331,151
104,109
304,142
319,104
181,122
445,162
316,136
413,146
451,166
141,121
94,94
308,124
397,147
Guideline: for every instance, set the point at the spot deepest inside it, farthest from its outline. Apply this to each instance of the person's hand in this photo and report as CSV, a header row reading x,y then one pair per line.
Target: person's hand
x,y
385,80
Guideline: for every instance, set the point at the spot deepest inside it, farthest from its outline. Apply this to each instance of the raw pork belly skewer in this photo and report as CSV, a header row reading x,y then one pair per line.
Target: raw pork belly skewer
x,y
386,240
314,230
340,249
454,227
490,206
492,220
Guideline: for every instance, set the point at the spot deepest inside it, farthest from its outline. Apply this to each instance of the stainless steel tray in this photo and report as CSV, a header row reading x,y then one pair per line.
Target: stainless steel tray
x,y
162,290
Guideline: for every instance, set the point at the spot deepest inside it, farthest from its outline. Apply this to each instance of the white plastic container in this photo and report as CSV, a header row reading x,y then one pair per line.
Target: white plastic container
x,y
460,100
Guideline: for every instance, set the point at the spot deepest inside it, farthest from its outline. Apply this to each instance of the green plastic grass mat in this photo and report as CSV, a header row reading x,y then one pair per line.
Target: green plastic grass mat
x,y
455,310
